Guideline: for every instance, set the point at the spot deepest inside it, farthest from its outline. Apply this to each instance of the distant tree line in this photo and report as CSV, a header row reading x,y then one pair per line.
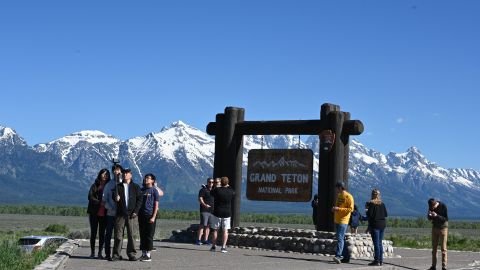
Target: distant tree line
x,y
44,210
395,222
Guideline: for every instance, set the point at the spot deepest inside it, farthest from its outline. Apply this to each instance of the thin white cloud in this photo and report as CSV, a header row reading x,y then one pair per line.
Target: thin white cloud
x,y
400,120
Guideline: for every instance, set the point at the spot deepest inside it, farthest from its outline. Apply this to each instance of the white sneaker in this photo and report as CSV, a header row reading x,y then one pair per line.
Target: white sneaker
x,y
146,258
223,250
337,260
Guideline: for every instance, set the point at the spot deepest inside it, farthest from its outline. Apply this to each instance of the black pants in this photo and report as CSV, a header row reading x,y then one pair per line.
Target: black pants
x,y
97,223
108,235
147,231
120,224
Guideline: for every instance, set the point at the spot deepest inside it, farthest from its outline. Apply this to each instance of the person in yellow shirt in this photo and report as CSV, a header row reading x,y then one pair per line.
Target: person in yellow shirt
x,y
341,215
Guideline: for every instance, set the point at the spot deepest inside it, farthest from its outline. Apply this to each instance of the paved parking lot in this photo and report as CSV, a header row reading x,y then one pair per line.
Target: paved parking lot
x,y
188,256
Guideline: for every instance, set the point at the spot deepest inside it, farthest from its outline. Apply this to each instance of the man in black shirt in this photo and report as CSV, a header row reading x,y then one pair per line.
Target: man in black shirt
x,y
438,214
206,208
222,210
129,201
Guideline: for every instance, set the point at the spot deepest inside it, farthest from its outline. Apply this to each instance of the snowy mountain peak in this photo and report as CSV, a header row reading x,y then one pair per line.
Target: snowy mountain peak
x,y
90,136
414,156
414,151
68,147
354,144
177,124
9,136
6,132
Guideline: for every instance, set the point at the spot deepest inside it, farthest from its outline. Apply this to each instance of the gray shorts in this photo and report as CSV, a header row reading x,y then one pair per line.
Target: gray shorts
x,y
206,219
223,223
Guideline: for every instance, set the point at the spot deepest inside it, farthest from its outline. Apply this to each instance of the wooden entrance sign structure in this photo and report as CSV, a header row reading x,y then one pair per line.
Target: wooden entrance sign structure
x,y
334,128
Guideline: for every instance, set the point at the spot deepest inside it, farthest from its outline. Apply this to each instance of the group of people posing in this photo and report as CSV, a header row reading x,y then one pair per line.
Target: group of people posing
x,y
118,203
376,214
215,200
115,204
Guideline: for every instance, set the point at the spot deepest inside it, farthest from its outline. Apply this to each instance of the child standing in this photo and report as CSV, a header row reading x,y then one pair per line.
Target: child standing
x,y
354,220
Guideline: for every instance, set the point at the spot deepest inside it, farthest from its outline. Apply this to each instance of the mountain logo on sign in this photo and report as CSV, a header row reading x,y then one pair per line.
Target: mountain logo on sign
x,y
279,164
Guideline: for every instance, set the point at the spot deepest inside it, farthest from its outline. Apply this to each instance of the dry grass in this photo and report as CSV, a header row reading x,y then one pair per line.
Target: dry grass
x,y
11,223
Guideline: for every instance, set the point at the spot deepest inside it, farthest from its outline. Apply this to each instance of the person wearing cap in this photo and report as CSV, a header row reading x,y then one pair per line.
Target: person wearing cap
x,y
129,201
376,215
341,215
147,216
438,215
111,207
206,209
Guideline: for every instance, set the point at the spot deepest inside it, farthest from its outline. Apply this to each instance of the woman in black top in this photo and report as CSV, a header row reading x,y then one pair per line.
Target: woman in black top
x,y
96,211
376,214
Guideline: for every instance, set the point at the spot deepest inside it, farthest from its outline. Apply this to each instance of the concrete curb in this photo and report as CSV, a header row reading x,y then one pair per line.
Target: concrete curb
x,y
57,259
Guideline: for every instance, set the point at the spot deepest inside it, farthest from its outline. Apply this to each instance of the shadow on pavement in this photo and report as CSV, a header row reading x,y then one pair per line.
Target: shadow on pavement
x,y
84,258
292,258
400,266
356,262
184,248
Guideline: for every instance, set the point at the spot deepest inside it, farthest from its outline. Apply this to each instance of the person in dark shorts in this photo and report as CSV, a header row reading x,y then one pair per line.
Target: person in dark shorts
x,y
206,208
222,211
438,215
147,216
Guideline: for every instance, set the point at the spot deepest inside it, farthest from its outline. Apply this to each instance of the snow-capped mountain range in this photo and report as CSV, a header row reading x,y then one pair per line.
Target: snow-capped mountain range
x,y
181,157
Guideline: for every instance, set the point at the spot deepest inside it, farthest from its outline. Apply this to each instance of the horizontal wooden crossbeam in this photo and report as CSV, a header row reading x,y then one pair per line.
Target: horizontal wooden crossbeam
x,y
288,127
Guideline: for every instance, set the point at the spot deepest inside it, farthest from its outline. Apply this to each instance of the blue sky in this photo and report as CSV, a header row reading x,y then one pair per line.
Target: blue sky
x,y
410,70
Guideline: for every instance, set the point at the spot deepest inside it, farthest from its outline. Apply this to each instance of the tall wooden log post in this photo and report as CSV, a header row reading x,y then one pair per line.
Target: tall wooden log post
x,y
326,182
232,154
333,165
345,139
218,160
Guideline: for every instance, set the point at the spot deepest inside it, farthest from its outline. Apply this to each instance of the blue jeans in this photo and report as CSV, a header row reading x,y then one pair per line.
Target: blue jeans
x,y
341,250
377,237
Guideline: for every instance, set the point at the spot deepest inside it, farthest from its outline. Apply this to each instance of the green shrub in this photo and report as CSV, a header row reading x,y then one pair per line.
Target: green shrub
x,y
84,234
57,228
12,257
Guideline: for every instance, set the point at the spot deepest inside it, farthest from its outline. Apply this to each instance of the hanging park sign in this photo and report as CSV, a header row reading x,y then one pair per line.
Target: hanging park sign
x,y
280,175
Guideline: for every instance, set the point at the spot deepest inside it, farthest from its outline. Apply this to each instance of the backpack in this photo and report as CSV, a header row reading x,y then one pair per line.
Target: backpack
x,y
354,219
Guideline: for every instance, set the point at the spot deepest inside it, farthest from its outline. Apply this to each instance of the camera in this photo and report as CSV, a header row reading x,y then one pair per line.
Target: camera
x,y
115,161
